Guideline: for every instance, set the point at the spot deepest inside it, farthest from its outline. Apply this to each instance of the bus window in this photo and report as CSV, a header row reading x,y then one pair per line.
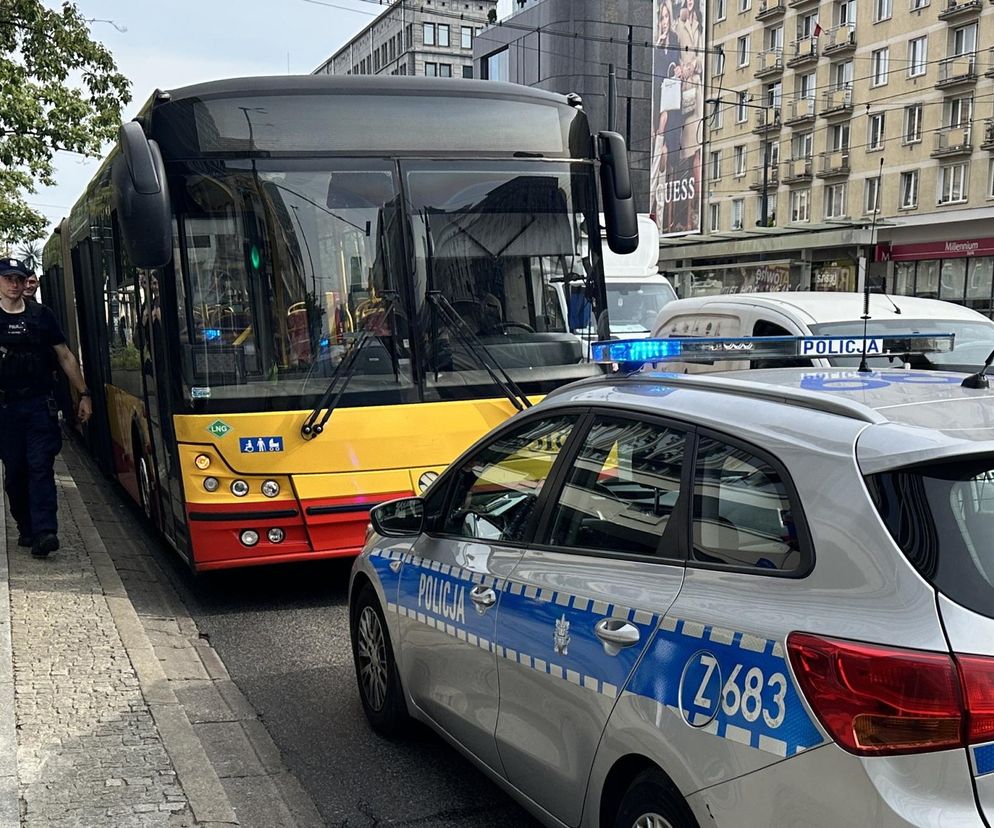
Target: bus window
x,y
285,268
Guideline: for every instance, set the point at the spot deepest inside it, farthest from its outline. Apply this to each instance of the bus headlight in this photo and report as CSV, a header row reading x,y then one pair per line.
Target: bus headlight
x,y
250,537
211,484
239,488
276,535
270,488
202,462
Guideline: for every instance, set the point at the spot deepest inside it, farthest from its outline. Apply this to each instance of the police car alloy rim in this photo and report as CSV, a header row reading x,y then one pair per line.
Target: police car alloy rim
x,y
372,655
652,821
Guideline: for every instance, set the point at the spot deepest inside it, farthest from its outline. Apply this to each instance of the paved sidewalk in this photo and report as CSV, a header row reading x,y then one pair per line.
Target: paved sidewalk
x,y
111,716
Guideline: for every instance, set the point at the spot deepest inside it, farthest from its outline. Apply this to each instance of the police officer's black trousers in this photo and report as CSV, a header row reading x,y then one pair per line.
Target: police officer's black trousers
x,y
29,440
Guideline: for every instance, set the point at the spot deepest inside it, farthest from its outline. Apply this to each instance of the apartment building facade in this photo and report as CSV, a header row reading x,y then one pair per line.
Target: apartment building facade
x,y
427,37
863,130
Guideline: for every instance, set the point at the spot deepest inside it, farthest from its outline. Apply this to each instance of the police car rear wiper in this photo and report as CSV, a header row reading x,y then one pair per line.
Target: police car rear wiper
x,y
471,342
344,371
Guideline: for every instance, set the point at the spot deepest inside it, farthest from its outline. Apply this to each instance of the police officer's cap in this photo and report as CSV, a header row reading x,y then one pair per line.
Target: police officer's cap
x,y
14,267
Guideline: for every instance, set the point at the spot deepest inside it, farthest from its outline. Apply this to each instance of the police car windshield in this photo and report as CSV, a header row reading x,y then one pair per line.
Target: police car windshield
x,y
635,305
942,517
974,341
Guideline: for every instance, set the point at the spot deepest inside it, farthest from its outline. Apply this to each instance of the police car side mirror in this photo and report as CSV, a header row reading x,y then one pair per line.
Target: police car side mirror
x,y
398,518
141,198
620,218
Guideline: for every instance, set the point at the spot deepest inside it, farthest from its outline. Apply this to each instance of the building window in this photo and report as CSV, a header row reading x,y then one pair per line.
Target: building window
x,y
774,97
741,110
740,160
467,71
917,49
718,64
409,36
875,140
959,111
428,34
774,38
466,37
800,206
495,66
804,86
743,50
839,137
443,34
714,164
912,124
431,69
882,10
445,70
881,57
965,40
842,74
744,5
952,183
990,181
802,146
909,190
738,206
835,201
806,25
719,10
714,217
871,191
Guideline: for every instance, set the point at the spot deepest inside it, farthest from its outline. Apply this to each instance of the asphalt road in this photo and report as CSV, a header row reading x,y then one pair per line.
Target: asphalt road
x,y
283,635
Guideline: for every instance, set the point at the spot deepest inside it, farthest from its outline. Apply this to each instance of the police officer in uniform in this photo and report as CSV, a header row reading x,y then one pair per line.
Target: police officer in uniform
x,y
31,346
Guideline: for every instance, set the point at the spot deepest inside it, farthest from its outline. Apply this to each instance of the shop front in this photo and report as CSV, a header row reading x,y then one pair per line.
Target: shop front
x,y
957,271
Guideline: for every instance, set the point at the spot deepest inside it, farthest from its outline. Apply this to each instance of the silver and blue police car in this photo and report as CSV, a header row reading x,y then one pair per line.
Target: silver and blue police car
x,y
700,600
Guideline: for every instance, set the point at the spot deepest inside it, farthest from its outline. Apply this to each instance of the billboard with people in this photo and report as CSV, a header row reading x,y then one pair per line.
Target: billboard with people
x,y
677,115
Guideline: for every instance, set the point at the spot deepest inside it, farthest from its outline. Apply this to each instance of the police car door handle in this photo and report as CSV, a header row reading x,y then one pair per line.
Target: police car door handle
x,y
616,634
484,597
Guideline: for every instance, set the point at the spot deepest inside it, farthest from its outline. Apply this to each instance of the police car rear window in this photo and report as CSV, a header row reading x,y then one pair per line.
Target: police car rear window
x,y
942,517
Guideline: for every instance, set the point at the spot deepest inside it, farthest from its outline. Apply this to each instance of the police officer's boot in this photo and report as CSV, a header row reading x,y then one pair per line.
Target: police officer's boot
x,y
25,539
45,543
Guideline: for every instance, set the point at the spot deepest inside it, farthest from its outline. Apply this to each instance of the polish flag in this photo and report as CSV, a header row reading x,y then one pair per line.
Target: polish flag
x,y
818,29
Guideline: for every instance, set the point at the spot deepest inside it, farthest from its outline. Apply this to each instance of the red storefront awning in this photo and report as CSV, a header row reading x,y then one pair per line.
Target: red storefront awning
x,y
942,250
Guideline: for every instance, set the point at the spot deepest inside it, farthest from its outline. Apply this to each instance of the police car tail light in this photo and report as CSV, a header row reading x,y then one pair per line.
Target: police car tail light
x,y
880,701
977,675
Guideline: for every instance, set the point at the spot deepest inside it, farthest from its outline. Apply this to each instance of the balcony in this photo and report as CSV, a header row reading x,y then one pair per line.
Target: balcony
x,y
772,177
952,140
957,70
797,170
769,63
803,51
837,103
800,4
770,9
834,164
767,119
840,39
801,112
988,142
957,10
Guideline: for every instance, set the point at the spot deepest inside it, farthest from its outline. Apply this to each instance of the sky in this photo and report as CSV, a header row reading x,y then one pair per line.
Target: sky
x,y
178,42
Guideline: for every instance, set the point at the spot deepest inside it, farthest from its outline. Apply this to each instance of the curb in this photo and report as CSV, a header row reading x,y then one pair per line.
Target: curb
x,y
10,807
208,800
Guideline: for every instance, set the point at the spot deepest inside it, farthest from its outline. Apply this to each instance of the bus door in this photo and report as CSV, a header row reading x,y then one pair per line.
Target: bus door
x,y
88,283
165,499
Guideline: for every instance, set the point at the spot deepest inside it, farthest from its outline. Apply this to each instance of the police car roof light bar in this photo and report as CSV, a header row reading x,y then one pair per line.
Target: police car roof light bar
x,y
636,352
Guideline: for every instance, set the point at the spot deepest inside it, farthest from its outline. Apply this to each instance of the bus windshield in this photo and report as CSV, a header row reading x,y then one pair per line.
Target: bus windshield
x,y
492,239
287,261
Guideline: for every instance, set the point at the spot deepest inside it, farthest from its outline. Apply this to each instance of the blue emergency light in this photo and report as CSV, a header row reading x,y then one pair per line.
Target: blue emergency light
x,y
636,352
212,334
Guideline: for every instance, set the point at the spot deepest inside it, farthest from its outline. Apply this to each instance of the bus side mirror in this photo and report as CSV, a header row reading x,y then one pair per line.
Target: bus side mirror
x,y
141,198
620,218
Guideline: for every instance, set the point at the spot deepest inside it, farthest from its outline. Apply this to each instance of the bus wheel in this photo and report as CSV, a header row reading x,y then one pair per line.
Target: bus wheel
x,y
653,801
144,474
376,669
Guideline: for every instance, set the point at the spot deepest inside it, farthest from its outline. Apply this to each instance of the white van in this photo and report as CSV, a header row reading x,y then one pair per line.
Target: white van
x,y
636,290
828,314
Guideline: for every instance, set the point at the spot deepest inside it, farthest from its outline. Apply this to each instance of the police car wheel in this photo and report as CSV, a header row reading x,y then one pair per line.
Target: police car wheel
x,y
376,668
653,801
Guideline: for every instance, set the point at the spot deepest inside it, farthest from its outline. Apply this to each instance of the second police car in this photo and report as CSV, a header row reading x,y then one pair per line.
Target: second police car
x,y
679,600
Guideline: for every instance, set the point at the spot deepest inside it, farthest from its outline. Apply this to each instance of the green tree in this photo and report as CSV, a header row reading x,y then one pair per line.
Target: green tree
x,y
31,253
60,91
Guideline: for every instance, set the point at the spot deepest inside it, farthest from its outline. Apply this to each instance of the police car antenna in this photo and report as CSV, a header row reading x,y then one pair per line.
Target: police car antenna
x,y
979,380
863,367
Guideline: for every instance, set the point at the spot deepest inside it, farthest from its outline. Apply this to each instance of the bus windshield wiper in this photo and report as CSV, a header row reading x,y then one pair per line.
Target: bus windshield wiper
x,y
477,350
342,376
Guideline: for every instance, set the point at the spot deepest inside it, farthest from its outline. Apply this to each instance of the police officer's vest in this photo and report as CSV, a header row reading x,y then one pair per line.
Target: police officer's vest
x,y
27,361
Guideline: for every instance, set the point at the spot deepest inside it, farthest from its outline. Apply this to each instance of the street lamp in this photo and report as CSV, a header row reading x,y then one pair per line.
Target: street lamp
x,y
765,219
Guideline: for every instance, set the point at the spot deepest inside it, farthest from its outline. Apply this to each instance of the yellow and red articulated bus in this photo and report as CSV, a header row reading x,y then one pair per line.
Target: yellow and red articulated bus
x,y
297,297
